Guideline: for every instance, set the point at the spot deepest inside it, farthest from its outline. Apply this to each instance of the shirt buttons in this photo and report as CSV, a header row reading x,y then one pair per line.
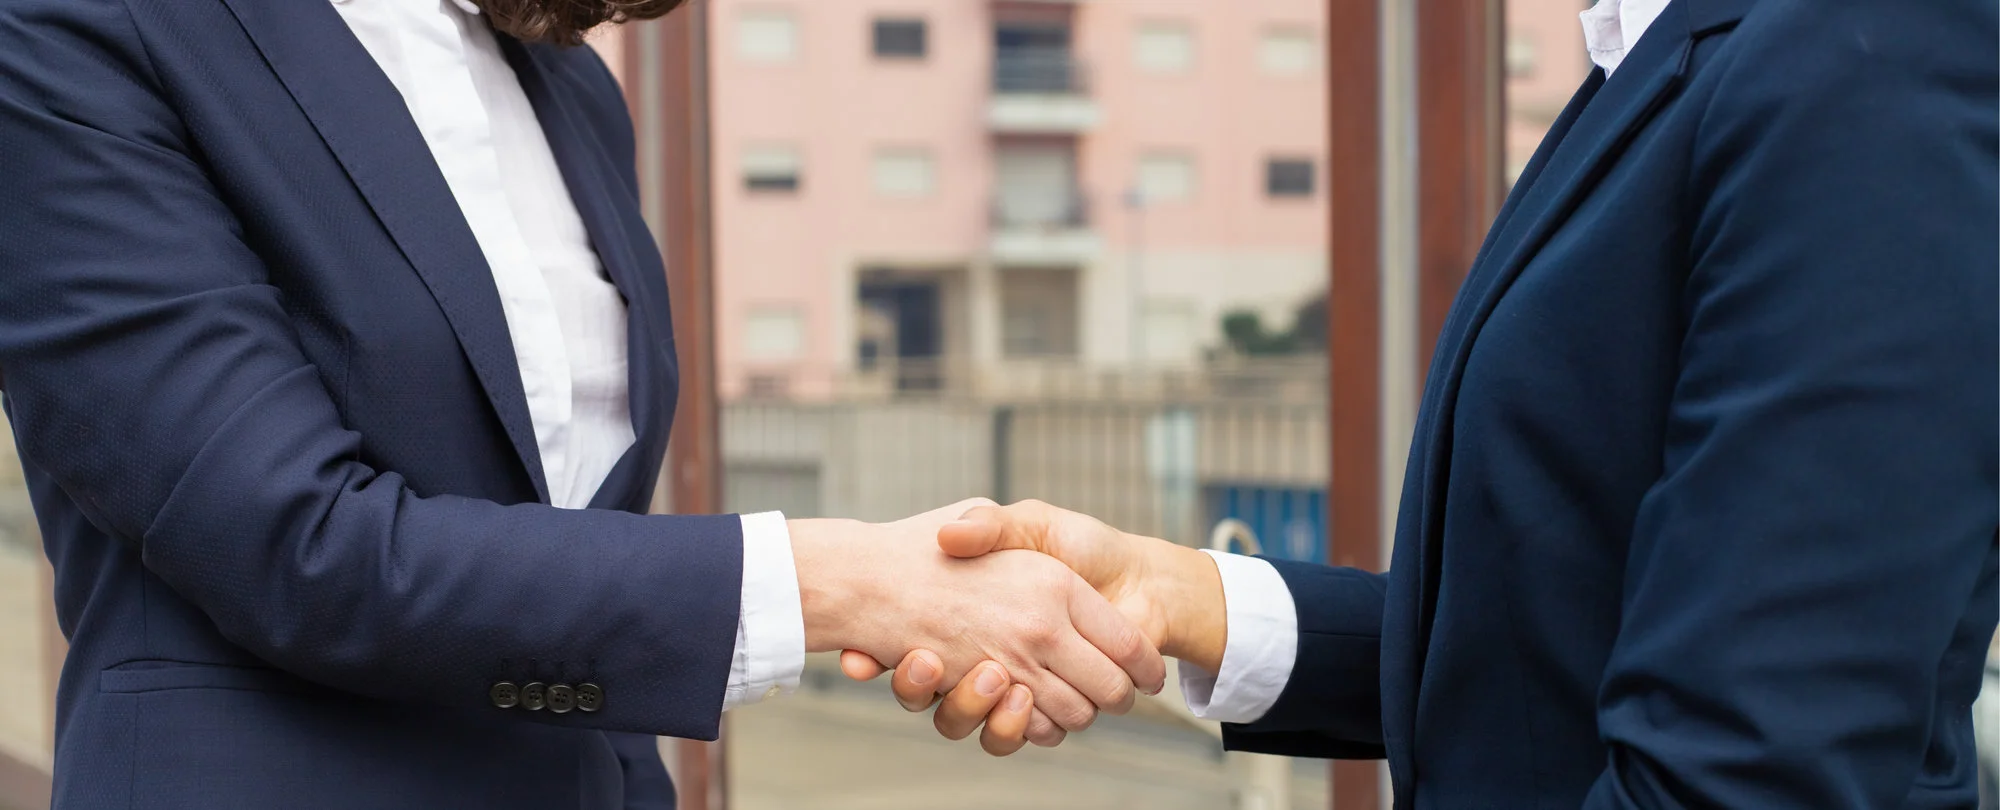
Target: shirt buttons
x,y
561,698
505,695
589,698
535,696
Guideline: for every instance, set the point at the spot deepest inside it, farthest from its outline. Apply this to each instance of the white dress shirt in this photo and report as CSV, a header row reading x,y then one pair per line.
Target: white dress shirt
x,y
566,318
1263,624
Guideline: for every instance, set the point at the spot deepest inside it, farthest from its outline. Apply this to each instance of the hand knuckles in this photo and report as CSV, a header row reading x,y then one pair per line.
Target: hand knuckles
x,y
1075,717
1120,695
1039,631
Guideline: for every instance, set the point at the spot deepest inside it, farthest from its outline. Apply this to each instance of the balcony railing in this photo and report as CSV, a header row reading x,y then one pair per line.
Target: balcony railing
x,y
1040,71
1067,212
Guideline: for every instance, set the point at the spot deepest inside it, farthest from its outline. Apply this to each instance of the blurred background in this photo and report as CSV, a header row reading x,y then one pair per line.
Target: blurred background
x,y
1169,262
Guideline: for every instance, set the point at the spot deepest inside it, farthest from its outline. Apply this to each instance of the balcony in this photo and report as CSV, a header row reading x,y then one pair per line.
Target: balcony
x,y
1043,231
1041,91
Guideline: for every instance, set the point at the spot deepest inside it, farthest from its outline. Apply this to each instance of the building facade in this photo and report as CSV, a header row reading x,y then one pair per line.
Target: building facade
x,y
908,192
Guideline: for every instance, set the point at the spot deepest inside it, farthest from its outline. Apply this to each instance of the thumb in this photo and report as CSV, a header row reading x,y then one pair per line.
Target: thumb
x,y
860,666
986,529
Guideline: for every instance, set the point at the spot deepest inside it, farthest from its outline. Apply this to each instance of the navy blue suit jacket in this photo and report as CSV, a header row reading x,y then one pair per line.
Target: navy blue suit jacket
x,y
275,436
1700,510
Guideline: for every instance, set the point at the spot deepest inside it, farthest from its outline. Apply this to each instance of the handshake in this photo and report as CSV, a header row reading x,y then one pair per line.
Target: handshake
x,y
1027,619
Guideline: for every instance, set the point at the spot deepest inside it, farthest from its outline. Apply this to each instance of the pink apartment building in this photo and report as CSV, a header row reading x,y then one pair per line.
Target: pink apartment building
x,y
917,189
1545,63
935,186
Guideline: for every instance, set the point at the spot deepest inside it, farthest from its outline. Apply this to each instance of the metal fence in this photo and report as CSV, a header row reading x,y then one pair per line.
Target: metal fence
x,y
1156,467
1039,71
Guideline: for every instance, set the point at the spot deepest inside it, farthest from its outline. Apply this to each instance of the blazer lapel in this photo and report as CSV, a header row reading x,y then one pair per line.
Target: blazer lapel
x,y
591,183
1607,115
1401,649
361,116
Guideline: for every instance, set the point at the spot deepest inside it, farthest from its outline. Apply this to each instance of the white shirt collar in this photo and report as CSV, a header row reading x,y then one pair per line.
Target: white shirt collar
x,y
1612,27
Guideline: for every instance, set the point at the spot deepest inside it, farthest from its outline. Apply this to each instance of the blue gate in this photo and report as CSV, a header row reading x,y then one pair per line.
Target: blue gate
x,y
1290,522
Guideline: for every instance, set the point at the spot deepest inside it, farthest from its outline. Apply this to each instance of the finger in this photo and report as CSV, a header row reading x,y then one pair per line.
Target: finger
x,y
860,666
944,514
1007,727
916,682
974,533
971,700
1062,703
1117,639
1043,732
987,529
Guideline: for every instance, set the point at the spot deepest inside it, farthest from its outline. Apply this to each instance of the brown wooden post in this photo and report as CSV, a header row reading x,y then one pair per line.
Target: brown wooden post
x,y
1354,262
667,85
1460,165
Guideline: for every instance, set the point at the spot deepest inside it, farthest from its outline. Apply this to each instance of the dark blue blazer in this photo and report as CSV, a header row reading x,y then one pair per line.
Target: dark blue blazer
x,y
1700,510
276,439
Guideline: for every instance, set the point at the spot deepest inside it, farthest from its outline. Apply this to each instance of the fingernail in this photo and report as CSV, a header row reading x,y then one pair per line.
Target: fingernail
x,y
922,672
1155,691
1017,701
990,681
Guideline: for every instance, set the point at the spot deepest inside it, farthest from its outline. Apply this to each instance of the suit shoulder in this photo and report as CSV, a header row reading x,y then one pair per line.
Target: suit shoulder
x,y
1824,45
1820,67
584,68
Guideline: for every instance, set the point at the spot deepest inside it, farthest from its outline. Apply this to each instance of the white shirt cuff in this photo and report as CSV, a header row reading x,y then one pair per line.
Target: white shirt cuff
x,y
770,631
1263,645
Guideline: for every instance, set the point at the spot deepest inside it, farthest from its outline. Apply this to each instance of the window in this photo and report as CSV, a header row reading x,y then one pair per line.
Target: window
x,y
1289,177
900,38
1165,48
767,36
1288,52
773,169
904,173
774,334
769,386
1038,313
1165,177
1520,57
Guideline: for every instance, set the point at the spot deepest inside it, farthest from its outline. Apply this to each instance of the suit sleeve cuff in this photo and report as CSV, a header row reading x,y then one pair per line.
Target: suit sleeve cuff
x,y
770,632
1263,645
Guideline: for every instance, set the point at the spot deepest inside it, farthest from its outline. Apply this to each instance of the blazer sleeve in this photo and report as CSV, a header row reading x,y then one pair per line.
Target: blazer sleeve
x,y
1823,526
1331,708
153,373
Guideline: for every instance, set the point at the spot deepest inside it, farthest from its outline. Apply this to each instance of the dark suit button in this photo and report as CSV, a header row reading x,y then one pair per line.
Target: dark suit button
x,y
505,695
561,698
589,698
534,697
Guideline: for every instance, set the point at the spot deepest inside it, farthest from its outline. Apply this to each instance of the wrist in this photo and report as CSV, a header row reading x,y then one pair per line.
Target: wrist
x,y
831,589
1188,588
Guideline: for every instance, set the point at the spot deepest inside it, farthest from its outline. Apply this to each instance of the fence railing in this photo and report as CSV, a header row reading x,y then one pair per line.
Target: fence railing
x,y
1041,71
1297,379
1157,468
1069,211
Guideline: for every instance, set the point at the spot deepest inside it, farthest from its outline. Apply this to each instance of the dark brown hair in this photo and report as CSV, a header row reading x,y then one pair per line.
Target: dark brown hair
x,y
564,21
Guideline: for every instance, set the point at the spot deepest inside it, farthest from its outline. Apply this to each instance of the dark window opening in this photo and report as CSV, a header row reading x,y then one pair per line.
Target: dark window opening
x,y
1289,177
901,39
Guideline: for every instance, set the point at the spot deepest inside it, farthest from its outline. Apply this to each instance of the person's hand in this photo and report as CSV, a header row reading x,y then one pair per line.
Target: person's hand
x,y
1173,593
888,590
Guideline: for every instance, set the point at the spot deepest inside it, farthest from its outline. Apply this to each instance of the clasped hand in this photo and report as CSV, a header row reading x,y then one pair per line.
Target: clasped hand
x,y
1132,598
1009,625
